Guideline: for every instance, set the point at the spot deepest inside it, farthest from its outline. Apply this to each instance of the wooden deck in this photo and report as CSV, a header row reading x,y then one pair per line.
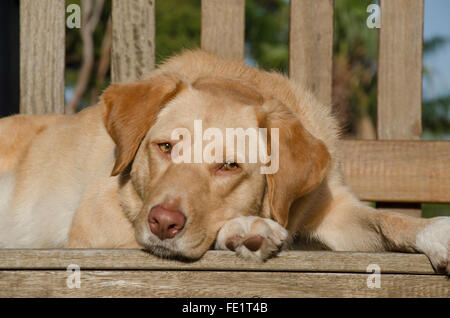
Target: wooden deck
x,y
135,273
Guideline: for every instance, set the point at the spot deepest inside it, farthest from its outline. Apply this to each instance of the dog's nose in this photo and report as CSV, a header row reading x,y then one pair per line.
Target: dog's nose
x,y
165,223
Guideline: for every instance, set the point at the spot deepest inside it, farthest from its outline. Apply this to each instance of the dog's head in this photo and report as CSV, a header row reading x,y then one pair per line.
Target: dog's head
x,y
176,207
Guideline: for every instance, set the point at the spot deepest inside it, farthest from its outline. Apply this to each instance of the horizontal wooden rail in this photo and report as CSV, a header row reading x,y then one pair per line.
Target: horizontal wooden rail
x,y
398,171
135,273
291,261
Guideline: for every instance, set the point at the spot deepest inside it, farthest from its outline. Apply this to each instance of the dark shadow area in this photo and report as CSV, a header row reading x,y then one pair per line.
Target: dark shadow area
x,y
9,57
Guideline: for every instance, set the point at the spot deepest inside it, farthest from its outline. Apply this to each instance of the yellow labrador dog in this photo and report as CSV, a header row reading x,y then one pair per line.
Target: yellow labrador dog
x,y
106,178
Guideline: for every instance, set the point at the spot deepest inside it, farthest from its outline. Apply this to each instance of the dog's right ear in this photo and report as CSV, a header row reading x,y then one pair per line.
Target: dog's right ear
x,y
130,110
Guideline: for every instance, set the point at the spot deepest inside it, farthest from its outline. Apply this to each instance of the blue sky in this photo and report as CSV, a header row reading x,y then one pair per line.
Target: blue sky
x,y
437,22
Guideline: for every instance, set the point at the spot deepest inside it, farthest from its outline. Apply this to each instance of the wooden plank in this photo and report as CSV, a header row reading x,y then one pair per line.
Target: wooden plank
x,y
400,77
294,261
311,46
133,39
398,171
42,56
223,26
400,70
217,284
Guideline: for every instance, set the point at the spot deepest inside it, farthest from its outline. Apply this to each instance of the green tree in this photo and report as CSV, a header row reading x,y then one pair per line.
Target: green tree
x,y
267,33
177,27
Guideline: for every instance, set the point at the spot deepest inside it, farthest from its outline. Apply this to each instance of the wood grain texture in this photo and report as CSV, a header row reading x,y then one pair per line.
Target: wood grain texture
x,y
223,27
400,76
217,284
400,70
398,171
289,261
42,56
133,39
311,46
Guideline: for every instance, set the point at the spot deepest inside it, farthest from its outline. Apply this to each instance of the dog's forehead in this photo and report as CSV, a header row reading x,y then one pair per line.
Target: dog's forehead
x,y
214,112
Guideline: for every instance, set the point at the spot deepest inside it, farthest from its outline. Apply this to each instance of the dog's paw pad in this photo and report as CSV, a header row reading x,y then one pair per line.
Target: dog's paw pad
x,y
254,243
232,242
252,237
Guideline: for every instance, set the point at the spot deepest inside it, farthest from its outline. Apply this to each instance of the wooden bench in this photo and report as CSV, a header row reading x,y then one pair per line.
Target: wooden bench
x,y
134,273
397,170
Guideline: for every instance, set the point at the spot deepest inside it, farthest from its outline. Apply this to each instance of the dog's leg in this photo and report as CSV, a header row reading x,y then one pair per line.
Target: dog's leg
x,y
344,224
349,225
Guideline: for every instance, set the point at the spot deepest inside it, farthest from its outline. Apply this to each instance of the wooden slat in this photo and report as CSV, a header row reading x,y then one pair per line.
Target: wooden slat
x,y
217,284
135,273
398,171
400,78
133,47
400,70
311,46
223,27
293,261
42,52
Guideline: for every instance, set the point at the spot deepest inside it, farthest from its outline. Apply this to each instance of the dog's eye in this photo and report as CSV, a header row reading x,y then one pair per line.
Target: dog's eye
x,y
230,166
165,147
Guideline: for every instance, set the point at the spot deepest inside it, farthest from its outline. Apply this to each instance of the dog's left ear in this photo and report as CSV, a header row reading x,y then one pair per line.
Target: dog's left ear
x,y
130,110
303,160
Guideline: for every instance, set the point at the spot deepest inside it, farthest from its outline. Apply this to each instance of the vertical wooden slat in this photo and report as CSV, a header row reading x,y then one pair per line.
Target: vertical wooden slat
x,y
42,52
400,75
223,27
400,70
133,47
311,46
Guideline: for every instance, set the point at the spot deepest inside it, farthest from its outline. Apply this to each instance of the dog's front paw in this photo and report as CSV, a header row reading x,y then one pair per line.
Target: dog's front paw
x,y
434,241
252,237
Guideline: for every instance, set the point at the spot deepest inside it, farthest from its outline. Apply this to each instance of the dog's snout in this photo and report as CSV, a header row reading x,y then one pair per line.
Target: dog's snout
x,y
166,223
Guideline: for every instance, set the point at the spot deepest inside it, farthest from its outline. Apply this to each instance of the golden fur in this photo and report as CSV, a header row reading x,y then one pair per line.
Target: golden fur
x,y
90,179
